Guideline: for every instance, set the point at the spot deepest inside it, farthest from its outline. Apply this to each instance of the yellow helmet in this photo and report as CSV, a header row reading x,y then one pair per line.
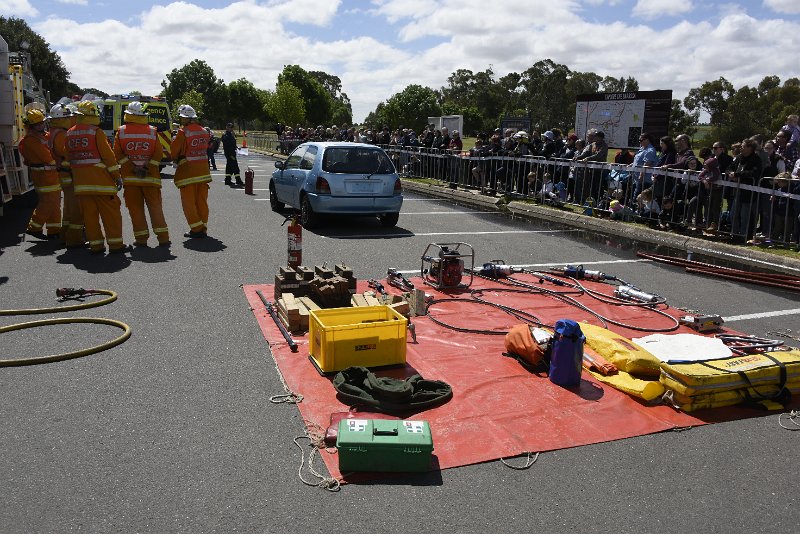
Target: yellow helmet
x,y
88,108
34,116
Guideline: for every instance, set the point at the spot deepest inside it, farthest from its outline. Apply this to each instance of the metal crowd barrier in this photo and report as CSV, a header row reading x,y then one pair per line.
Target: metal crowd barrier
x,y
767,212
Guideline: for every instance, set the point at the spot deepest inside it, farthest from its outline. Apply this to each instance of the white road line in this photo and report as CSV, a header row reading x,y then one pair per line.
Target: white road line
x,y
764,315
424,200
780,267
261,199
561,264
450,233
451,213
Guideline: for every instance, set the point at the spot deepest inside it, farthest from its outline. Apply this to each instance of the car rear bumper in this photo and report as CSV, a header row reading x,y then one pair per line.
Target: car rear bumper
x,y
355,205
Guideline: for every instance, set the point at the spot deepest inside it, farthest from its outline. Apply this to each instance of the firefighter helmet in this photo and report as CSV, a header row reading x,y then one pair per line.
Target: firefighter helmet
x,y
88,108
60,111
186,111
34,116
136,108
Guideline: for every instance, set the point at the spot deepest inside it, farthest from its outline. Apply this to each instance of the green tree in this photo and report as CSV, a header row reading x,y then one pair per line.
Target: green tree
x,y
46,65
197,75
192,98
317,102
711,97
682,121
244,103
341,108
544,96
609,84
411,107
286,104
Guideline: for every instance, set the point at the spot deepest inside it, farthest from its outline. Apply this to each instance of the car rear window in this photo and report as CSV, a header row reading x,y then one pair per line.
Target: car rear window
x,y
356,160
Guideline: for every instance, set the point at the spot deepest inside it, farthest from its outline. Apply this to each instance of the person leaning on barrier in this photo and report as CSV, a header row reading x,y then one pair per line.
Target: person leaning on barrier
x,y
747,172
645,157
785,149
188,151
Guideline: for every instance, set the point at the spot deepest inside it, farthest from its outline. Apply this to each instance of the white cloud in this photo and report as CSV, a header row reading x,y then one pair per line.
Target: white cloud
x,y
255,40
653,9
18,8
74,2
791,7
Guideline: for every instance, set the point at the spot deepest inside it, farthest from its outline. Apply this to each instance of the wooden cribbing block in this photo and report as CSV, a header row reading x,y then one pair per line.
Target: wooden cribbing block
x,y
371,301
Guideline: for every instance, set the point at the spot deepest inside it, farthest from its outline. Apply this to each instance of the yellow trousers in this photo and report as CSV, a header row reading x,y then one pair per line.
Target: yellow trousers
x,y
136,197
107,208
72,222
194,199
47,213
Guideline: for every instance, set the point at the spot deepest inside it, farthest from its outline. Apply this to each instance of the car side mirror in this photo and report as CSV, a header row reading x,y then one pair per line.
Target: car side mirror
x,y
280,165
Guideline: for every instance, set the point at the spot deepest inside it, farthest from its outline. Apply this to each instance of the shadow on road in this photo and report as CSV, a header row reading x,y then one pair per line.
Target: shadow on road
x,y
209,244
83,260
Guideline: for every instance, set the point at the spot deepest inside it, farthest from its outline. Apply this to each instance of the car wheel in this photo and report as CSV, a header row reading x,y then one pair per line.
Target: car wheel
x,y
389,219
273,199
308,219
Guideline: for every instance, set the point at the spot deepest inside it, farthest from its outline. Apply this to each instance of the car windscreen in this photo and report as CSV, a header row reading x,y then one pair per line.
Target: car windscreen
x,y
356,160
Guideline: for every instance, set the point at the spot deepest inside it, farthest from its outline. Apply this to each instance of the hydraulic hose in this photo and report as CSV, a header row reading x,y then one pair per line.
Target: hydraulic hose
x,y
66,355
67,294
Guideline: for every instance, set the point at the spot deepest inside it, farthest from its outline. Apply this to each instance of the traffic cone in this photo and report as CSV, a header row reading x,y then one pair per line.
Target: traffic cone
x,y
244,140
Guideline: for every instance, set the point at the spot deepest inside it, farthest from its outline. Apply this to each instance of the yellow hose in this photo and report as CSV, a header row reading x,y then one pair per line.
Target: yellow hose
x,y
57,309
69,320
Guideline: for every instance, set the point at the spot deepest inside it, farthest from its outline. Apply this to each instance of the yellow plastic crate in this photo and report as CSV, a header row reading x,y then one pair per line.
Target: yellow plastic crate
x,y
367,336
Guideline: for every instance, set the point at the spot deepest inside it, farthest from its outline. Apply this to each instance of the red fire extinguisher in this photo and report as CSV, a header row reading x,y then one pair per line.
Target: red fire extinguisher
x,y
249,175
294,235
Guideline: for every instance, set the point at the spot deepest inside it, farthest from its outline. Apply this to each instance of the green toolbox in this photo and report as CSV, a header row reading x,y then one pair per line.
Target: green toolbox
x,y
381,445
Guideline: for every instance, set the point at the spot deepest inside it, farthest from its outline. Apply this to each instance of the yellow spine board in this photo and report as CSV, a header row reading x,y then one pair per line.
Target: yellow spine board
x,y
696,378
732,397
648,390
621,351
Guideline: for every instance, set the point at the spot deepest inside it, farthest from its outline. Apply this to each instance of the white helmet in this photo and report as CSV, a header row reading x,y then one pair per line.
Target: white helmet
x,y
60,111
135,108
186,111
35,105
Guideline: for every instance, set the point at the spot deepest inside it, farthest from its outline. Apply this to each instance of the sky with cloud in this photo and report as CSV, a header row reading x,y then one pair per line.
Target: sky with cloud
x,y
378,47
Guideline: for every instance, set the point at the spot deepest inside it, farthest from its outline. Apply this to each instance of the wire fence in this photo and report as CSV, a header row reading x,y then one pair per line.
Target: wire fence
x,y
766,212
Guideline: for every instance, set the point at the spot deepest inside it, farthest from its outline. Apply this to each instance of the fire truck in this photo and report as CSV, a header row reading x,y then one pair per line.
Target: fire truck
x,y
18,88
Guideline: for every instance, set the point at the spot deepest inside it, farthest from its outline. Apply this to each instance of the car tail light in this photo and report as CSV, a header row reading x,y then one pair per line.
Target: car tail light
x,y
323,186
398,187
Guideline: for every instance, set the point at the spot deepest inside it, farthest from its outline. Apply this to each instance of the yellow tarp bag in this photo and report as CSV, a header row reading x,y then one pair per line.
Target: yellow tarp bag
x,y
762,395
648,390
621,351
737,372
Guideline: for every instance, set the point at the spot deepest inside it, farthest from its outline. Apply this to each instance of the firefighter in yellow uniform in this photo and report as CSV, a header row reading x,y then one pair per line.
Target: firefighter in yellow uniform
x,y
139,153
62,119
35,151
188,151
95,174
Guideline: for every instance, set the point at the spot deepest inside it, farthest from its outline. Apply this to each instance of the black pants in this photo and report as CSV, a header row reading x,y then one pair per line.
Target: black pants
x,y
232,168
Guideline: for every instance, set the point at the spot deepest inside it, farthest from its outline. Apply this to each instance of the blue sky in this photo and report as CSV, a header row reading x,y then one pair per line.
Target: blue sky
x,y
378,47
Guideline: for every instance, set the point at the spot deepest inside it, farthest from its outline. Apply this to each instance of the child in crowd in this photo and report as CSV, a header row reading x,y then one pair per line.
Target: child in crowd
x,y
648,207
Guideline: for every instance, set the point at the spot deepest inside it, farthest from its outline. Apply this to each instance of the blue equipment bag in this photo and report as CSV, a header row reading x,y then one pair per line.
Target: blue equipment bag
x,y
567,353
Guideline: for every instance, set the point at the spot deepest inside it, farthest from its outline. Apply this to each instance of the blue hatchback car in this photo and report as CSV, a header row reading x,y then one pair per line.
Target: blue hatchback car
x,y
346,178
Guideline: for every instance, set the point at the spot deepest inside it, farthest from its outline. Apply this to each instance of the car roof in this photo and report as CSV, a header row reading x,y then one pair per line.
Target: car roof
x,y
341,144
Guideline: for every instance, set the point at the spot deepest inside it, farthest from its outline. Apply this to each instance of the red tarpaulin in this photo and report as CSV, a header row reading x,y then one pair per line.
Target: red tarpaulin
x,y
498,409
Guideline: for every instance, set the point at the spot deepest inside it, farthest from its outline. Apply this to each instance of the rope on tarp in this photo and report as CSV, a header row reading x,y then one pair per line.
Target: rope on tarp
x,y
530,460
793,417
316,440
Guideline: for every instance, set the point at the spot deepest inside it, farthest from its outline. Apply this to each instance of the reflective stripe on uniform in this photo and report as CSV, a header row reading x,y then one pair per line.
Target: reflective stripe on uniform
x,y
196,158
96,189
161,230
123,160
197,225
193,180
141,233
148,181
96,242
34,224
114,240
48,188
113,168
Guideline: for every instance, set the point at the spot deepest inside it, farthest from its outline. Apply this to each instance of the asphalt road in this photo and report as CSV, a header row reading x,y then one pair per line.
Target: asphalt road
x,y
173,430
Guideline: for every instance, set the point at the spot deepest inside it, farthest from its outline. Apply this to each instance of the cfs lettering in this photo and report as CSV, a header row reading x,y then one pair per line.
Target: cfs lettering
x,y
78,142
198,142
137,146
